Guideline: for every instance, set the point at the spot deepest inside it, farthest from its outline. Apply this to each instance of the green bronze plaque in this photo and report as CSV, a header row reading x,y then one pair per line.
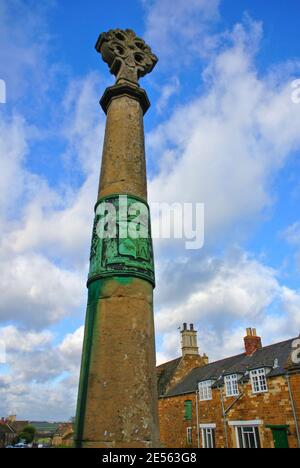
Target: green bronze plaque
x,y
121,240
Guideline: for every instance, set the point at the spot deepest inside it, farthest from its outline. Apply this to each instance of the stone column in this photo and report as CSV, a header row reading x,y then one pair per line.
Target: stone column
x,y
117,401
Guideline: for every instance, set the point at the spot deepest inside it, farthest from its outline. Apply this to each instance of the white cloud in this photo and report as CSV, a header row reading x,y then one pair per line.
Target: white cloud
x,y
71,348
59,231
23,59
58,222
224,297
13,147
292,234
23,342
84,123
234,288
176,29
167,91
44,251
29,282
225,147
232,141
42,378
35,292
46,232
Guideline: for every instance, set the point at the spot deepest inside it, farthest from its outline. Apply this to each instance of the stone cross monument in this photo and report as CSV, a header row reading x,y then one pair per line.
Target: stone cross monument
x,y
117,400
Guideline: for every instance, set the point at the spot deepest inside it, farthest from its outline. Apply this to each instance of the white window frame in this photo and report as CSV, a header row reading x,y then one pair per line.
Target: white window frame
x,y
259,381
205,390
246,435
231,385
243,425
256,422
189,435
208,434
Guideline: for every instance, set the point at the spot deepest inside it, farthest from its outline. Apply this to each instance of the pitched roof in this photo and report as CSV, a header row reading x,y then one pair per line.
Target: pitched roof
x,y
241,364
18,426
165,373
6,428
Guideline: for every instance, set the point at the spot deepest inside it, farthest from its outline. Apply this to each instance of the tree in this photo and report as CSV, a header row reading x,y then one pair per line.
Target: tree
x,y
25,437
27,434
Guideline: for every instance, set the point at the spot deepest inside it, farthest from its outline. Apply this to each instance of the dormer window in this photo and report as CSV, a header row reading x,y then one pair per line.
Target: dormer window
x,y
276,364
259,381
231,385
205,390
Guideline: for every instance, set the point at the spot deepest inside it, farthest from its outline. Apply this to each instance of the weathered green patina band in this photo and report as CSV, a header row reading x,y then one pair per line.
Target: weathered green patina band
x,y
121,241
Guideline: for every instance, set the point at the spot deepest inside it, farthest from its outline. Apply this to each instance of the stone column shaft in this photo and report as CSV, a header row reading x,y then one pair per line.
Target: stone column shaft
x,y
123,162
117,401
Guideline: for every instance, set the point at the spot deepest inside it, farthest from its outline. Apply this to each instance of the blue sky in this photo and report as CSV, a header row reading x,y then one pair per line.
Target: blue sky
x,y
222,130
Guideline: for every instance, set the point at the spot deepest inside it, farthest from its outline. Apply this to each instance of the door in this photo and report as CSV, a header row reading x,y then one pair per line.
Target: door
x,y
280,438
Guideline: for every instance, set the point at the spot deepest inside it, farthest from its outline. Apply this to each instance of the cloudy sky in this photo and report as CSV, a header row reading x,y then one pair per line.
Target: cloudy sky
x,y
223,130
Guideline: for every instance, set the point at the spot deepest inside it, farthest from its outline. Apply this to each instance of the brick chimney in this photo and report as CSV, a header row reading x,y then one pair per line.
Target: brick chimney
x,y
252,342
189,343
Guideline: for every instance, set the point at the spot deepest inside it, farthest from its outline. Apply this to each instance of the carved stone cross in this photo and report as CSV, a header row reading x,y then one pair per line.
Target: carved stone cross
x,y
128,56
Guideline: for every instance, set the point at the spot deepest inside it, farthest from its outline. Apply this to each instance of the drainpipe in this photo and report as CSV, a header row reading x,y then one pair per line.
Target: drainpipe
x,y
293,408
224,418
197,414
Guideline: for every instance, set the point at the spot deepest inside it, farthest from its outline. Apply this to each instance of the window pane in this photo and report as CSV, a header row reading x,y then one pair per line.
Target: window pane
x,y
259,381
205,391
204,438
214,438
257,437
231,385
251,440
208,438
189,437
248,437
240,436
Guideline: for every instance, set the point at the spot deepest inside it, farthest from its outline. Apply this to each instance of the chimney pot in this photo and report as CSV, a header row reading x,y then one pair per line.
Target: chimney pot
x,y
185,326
191,326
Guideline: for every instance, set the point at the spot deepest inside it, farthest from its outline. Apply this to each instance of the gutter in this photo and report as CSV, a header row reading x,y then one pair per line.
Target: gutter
x,y
162,397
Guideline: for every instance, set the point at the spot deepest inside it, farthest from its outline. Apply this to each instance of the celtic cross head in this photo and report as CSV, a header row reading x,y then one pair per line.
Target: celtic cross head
x,y
128,56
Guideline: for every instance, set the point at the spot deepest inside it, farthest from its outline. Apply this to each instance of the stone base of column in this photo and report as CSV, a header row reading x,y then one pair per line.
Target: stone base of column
x,y
119,389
